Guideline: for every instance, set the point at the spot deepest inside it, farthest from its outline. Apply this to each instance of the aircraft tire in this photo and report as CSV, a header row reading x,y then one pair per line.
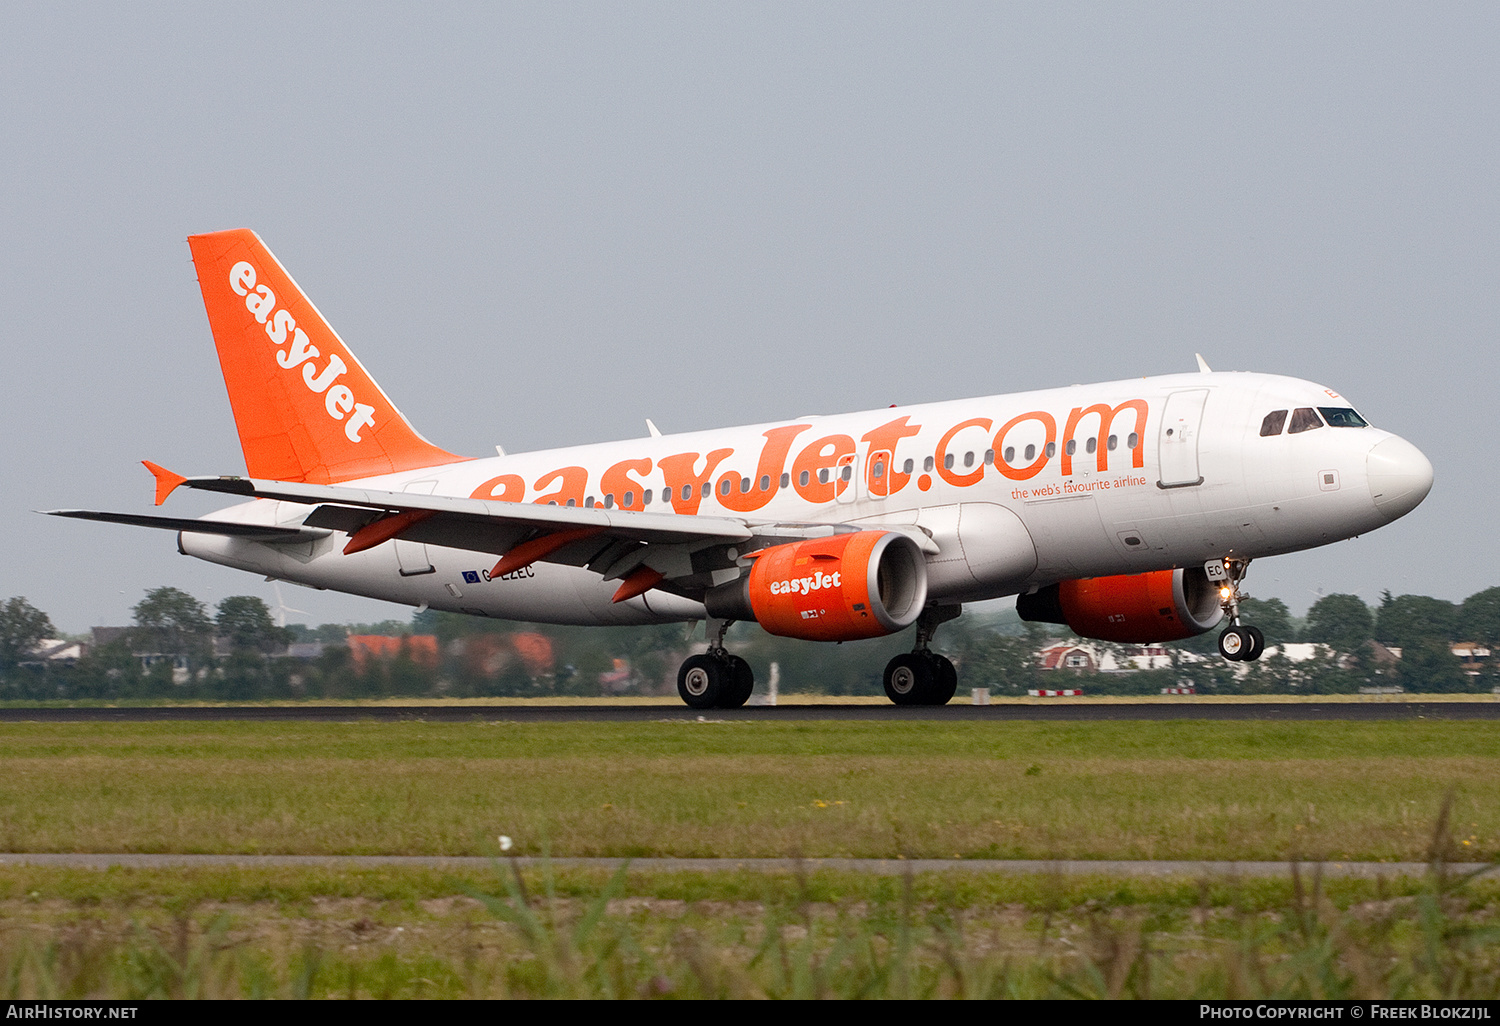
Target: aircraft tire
x,y
945,681
1257,644
703,682
910,679
742,683
1235,644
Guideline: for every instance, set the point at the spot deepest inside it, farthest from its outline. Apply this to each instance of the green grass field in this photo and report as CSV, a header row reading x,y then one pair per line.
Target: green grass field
x,y
1209,790
1180,790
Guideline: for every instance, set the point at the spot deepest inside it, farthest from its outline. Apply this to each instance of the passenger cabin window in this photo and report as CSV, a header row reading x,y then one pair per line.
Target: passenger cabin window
x,y
1274,422
1091,445
786,480
1304,418
1051,449
906,467
927,464
1342,416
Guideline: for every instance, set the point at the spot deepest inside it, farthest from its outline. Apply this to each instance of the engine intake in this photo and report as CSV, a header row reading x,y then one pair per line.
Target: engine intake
x,y
1163,605
865,584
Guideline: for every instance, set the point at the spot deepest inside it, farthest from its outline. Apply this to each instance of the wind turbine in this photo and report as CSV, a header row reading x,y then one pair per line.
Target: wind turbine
x,y
282,608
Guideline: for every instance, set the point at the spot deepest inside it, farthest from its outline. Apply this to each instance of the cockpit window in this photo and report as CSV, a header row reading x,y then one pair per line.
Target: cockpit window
x,y
1304,418
1272,425
1342,416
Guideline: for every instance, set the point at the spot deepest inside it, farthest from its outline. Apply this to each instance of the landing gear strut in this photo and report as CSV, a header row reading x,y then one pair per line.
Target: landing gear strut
x,y
921,676
1239,642
717,679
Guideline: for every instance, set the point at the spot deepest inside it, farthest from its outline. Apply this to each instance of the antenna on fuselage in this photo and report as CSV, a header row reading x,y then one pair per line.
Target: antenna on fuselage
x,y
1203,367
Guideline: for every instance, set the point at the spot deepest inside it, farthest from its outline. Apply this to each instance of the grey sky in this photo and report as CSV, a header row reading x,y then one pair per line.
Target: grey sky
x,y
539,224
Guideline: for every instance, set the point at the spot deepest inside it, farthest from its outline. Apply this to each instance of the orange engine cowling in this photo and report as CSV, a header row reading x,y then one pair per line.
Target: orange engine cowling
x,y
865,584
1163,605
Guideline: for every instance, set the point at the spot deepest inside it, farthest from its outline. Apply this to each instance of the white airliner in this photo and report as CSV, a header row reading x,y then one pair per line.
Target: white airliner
x,y
1128,510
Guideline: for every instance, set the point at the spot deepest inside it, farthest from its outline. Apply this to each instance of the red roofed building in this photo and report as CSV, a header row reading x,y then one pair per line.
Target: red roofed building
x,y
421,649
1068,656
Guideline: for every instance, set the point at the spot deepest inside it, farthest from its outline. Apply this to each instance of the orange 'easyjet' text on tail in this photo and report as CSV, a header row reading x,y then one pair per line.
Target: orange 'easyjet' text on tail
x,y
305,408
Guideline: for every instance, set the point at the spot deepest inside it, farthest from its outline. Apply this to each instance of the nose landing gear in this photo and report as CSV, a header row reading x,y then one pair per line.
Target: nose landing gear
x,y
1239,642
717,679
921,676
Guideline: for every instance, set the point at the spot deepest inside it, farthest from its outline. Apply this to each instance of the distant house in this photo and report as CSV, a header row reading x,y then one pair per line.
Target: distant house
x,y
1080,657
1147,657
1473,657
364,649
1068,656
617,678
489,655
56,652
147,658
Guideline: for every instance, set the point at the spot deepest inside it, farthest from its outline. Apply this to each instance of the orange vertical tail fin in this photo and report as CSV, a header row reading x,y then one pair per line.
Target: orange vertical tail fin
x,y
305,408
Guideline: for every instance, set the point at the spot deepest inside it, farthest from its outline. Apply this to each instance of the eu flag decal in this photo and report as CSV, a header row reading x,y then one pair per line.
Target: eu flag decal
x,y
471,576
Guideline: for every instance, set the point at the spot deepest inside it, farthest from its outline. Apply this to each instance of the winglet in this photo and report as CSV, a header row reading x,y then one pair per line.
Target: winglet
x,y
1203,367
166,481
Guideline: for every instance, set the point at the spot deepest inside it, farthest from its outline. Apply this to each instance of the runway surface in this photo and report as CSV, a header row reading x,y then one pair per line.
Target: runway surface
x,y
880,867
604,713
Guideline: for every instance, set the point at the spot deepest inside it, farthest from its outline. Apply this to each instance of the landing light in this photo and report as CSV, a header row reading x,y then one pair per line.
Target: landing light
x,y
1223,593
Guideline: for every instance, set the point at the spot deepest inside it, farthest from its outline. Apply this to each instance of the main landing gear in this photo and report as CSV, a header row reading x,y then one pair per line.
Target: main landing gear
x,y
921,676
717,679
1239,642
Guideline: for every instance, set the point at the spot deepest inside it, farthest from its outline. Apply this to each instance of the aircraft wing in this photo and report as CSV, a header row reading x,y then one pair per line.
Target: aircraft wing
x,y
683,554
344,508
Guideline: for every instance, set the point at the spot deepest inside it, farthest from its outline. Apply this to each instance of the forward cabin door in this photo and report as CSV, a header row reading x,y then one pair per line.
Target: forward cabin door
x,y
411,557
1181,421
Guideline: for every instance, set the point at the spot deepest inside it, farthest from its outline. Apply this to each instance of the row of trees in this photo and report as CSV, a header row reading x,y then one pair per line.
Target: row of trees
x,y
171,651
168,622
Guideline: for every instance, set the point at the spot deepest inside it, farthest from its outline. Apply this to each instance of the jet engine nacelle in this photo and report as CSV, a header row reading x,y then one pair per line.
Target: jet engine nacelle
x,y
1163,605
845,587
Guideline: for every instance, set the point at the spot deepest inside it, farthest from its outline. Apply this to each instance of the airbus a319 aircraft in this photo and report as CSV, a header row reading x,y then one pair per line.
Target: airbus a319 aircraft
x,y
1127,510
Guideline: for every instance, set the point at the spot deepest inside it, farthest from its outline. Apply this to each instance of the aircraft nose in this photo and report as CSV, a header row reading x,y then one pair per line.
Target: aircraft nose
x,y
1400,477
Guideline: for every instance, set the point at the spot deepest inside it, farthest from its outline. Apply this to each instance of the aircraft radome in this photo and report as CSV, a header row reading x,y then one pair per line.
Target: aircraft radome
x,y
1127,510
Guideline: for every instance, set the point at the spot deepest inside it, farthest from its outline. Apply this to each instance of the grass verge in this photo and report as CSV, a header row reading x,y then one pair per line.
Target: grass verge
x,y
1178,790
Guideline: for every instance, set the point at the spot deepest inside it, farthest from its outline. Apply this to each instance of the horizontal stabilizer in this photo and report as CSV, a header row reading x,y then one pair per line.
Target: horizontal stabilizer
x,y
254,532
